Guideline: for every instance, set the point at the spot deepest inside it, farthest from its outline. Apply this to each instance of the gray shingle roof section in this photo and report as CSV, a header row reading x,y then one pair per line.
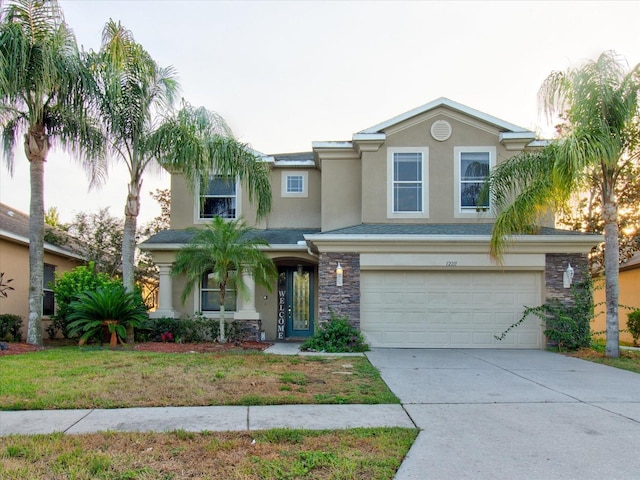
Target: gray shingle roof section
x,y
293,157
15,222
282,236
433,229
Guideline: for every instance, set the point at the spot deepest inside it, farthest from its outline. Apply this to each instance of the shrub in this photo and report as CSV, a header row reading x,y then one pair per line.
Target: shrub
x,y
336,335
110,308
67,288
10,326
186,329
568,325
633,324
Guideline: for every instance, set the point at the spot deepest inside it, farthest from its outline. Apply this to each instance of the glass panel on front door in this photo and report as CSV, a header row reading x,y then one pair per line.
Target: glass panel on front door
x,y
295,302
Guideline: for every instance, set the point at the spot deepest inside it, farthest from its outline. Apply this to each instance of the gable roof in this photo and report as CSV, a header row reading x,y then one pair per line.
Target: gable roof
x,y
445,102
14,226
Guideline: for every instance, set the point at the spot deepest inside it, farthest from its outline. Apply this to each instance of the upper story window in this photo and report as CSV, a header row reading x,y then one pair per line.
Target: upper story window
x,y
220,198
48,281
407,182
473,165
294,184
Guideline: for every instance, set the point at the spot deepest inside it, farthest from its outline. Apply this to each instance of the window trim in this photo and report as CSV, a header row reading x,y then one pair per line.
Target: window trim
x,y
198,198
458,210
46,289
391,213
212,313
284,184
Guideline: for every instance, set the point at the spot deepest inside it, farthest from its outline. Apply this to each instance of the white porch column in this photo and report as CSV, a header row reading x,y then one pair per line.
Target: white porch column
x,y
165,293
247,305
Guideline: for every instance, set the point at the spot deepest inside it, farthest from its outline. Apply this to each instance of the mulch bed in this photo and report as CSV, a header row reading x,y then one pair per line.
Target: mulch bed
x,y
162,347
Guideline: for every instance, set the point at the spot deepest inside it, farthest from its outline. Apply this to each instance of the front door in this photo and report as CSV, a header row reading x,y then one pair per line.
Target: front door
x,y
295,302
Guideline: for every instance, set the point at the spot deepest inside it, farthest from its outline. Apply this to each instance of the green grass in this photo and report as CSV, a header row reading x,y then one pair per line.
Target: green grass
x,y
76,377
628,359
371,453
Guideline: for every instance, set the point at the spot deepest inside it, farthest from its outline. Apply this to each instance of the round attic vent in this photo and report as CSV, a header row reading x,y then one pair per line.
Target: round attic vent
x,y
441,130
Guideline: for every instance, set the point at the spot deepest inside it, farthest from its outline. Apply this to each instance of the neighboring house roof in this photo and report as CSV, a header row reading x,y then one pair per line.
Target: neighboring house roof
x,y
632,263
172,239
14,226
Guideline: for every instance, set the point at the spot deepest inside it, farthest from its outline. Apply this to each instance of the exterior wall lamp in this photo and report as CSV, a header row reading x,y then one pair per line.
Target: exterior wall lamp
x,y
567,277
339,275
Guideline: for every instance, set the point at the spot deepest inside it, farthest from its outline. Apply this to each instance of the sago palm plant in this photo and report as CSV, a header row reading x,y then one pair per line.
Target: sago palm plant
x,y
110,307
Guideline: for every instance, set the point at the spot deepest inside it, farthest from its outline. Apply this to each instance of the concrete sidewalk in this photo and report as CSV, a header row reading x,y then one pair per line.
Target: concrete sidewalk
x,y
309,417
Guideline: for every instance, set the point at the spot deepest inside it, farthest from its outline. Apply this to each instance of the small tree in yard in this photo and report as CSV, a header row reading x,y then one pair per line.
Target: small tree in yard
x,y
224,249
68,286
109,308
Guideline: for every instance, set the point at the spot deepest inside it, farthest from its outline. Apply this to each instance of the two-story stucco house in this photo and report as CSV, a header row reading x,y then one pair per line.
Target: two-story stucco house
x,y
387,228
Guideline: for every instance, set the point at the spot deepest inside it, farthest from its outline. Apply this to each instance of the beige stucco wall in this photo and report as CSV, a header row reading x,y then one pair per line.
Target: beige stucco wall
x,y
14,262
286,212
629,282
342,181
295,212
441,198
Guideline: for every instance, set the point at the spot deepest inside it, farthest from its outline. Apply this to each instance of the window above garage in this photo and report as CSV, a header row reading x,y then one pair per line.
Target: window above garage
x,y
407,182
472,166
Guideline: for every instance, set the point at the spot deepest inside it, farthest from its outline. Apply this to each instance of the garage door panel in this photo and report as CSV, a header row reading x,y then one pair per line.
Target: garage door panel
x,y
449,309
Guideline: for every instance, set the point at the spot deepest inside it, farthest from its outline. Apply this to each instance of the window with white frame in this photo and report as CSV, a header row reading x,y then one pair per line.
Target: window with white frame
x,y
407,187
48,281
210,295
473,165
219,198
294,184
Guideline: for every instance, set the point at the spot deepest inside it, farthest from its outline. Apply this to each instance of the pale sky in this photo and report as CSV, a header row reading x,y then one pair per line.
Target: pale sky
x,y
284,74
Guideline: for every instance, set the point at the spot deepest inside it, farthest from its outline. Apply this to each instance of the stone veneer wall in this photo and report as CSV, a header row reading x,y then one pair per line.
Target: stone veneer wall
x,y
344,300
555,266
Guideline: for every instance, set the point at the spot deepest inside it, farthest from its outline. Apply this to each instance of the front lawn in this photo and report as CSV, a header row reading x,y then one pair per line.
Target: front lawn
x,y
75,377
371,453
628,360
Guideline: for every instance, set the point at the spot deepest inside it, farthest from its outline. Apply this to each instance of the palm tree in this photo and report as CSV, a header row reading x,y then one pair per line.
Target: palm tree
x,y
136,98
598,103
44,94
224,249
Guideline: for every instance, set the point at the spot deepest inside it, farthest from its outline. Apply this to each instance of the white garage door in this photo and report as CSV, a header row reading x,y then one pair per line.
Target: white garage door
x,y
449,309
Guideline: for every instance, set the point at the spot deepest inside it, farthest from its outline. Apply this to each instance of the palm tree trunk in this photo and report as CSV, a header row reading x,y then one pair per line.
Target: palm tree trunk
x,y
222,338
131,211
36,147
611,270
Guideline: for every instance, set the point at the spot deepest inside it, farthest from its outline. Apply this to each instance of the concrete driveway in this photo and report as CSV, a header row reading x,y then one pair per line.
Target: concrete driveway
x,y
514,414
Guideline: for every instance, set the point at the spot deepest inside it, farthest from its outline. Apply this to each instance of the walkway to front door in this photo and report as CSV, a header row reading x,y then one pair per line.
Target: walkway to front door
x,y
295,302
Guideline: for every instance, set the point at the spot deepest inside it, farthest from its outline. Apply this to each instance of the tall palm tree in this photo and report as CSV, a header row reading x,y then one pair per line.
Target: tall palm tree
x,y
137,98
599,105
44,95
224,249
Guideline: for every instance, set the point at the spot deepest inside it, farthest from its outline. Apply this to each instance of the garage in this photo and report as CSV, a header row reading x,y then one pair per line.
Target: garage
x,y
447,309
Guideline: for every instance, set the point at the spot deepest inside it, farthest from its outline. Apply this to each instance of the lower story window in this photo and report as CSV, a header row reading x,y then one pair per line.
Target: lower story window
x,y
48,281
210,296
